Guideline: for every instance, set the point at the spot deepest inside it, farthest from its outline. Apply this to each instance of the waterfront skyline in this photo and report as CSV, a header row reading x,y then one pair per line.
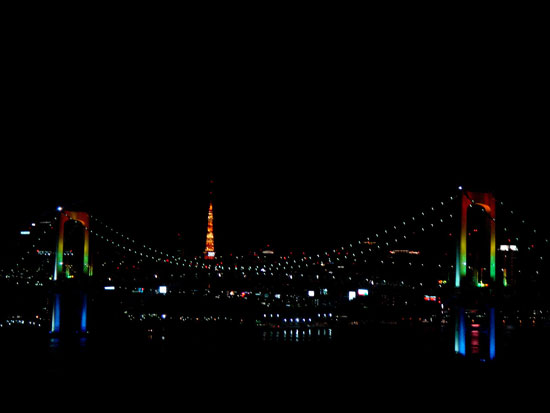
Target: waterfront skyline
x,y
316,131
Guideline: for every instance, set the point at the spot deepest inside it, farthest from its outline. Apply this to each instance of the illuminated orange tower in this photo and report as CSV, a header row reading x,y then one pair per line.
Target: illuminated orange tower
x,y
209,252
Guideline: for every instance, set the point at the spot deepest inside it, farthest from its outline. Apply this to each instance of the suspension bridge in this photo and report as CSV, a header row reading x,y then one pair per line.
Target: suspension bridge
x,y
459,262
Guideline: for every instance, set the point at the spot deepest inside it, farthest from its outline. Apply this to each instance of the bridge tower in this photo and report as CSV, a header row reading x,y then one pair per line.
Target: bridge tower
x,y
474,301
487,202
70,296
84,219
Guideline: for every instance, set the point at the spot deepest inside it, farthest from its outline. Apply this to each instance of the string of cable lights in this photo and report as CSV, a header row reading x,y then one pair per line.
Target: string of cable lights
x,y
387,238
379,247
392,237
129,244
422,222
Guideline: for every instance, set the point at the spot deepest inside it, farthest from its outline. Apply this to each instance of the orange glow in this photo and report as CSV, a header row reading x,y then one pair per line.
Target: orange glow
x,y
209,252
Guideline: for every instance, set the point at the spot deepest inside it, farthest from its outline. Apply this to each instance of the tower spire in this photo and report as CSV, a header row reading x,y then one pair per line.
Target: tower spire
x,y
209,252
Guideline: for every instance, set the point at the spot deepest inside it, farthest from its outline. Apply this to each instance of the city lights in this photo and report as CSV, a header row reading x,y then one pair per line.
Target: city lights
x,y
419,272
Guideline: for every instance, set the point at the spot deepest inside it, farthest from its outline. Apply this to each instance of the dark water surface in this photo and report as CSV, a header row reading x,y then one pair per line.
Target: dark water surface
x,y
234,365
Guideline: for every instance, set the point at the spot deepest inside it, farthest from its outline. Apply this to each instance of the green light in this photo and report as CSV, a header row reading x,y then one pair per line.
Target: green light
x,y
59,253
461,265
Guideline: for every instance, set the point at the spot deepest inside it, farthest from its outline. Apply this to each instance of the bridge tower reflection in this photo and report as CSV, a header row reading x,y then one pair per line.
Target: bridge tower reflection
x,y
475,294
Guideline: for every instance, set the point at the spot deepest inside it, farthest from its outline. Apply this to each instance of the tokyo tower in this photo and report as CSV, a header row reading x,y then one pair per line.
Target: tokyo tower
x,y
209,252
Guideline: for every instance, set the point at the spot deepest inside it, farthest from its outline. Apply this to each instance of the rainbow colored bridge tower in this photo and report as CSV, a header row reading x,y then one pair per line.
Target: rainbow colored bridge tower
x,y
475,301
84,219
487,201
67,297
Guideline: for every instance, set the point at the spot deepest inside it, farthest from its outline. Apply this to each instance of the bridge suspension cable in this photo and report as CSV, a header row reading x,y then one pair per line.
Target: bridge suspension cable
x,y
437,219
136,247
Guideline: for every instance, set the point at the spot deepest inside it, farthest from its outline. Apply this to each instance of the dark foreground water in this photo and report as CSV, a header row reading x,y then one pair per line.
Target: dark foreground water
x,y
234,366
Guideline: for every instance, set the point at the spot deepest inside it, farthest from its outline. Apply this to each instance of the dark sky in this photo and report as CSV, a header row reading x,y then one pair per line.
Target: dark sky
x,y
313,129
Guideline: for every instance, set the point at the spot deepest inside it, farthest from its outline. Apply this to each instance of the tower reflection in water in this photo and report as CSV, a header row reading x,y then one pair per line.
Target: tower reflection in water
x,y
475,333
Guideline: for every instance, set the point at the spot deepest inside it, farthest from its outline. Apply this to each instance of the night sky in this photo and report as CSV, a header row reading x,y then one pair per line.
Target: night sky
x,y
313,133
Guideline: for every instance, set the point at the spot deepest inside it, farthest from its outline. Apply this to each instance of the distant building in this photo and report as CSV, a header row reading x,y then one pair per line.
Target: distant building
x,y
268,250
509,257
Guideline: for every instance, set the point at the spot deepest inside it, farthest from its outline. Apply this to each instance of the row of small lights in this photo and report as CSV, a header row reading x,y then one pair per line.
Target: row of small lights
x,y
197,262
148,251
405,225
294,264
300,263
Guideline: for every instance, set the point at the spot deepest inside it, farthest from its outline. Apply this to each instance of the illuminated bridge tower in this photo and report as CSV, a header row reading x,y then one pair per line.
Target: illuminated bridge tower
x,y
209,252
475,304
487,202
70,297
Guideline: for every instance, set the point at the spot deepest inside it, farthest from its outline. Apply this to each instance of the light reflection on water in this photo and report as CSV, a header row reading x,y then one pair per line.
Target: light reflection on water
x,y
474,342
56,344
297,335
475,333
